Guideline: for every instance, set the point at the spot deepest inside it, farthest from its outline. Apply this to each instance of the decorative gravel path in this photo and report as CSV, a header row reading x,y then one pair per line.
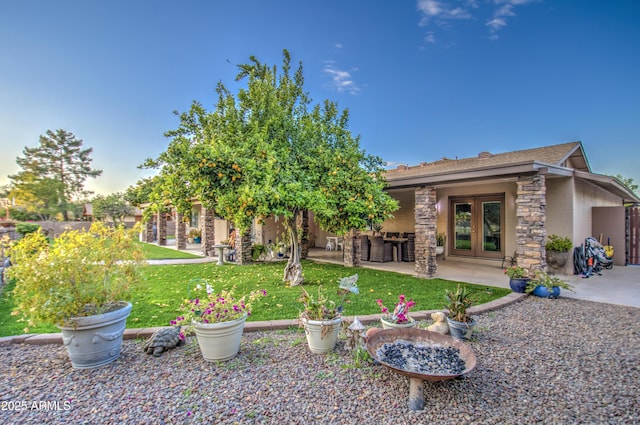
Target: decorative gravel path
x,y
539,361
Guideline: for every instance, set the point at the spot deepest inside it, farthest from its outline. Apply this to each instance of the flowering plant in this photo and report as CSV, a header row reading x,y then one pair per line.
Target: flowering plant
x,y
400,313
515,272
214,307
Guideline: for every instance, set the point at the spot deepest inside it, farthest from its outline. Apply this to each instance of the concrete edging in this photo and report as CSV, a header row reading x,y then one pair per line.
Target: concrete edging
x,y
271,325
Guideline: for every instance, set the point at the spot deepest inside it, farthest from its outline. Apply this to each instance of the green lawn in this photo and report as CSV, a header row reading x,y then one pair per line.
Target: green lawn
x,y
155,303
155,252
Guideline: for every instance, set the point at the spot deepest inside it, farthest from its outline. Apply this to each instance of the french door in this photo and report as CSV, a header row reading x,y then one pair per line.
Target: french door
x,y
476,224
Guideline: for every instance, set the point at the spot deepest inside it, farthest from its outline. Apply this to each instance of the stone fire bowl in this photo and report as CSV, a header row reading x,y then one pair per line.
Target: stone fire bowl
x,y
424,338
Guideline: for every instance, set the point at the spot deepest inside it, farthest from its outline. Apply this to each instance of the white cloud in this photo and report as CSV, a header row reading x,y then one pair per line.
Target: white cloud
x,y
504,10
443,12
341,81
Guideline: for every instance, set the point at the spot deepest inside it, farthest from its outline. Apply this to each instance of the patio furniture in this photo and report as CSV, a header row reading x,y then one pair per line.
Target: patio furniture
x,y
409,251
364,248
332,243
379,250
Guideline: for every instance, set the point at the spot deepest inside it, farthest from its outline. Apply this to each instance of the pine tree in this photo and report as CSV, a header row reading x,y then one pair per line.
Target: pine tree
x,y
53,173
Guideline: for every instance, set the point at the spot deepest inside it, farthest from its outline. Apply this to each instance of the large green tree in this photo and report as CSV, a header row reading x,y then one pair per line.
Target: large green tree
x,y
53,173
113,206
267,151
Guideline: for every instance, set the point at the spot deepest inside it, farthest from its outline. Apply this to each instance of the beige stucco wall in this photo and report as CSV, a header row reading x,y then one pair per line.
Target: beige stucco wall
x,y
588,195
404,218
560,207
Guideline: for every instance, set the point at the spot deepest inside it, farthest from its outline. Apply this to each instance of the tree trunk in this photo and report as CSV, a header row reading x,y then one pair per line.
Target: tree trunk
x,y
293,270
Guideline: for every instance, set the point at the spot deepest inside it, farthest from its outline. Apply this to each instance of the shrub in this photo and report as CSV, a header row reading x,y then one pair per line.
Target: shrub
x,y
557,243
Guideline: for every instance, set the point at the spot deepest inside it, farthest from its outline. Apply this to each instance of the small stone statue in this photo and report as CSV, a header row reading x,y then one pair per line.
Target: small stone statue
x,y
162,340
355,335
439,323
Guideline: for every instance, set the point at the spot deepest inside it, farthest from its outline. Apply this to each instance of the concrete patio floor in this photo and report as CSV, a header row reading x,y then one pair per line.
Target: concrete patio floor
x,y
620,285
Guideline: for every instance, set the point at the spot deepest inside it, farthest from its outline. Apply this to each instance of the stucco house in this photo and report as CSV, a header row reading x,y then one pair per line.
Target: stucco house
x,y
489,207
494,205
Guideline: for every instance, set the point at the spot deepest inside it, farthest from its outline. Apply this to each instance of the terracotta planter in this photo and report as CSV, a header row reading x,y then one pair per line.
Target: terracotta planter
x,y
220,341
95,341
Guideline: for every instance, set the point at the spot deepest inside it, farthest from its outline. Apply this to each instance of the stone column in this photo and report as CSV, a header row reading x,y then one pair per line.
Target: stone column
x,y
425,242
243,248
181,232
304,237
148,230
351,246
162,229
207,220
531,230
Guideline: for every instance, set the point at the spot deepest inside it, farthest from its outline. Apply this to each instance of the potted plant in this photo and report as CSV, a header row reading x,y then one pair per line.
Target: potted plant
x,y
194,235
557,251
321,318
321,321
441,239
518,278
377,229
547,286
399,317
216,318
460,323
78,282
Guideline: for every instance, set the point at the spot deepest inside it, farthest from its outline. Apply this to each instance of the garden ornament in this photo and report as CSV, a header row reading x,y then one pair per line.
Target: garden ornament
x,y
439,323
355,335
162,340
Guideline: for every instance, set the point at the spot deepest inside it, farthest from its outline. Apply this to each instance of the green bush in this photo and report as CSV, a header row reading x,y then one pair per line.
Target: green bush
x,y
26,228
81,273
557,243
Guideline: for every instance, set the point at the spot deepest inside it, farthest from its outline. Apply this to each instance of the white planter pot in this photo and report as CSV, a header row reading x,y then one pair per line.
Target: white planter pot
x,y
391,325
439,250
314,330
220,341
95,341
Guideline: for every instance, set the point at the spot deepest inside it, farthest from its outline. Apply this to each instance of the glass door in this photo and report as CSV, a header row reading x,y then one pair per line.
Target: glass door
x,y
476,226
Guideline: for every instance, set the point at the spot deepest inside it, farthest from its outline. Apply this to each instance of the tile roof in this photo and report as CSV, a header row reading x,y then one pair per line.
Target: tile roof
x,y
552,155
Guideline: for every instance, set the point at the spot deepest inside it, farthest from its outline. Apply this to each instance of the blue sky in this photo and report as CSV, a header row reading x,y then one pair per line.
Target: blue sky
x,y
423,79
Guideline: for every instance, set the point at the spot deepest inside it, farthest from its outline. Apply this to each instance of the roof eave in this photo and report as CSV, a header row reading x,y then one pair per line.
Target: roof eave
x,y
611,184
486,173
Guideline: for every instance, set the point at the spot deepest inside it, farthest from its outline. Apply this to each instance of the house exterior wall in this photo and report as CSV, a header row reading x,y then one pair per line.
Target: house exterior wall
x,y
404,218
587,196
561,215
509,190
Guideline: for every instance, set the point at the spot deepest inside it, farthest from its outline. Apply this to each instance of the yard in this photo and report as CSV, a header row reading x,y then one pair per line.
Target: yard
x,y
156,300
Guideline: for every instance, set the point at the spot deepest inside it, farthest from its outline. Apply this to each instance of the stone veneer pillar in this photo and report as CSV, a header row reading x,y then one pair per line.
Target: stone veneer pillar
x,y
181,232
208,239
162,229
243,248
351,255
531,230
304,237
425,242
148,231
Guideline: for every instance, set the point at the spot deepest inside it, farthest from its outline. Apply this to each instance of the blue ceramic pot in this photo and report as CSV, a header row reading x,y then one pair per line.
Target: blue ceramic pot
x,y
519,284
543,292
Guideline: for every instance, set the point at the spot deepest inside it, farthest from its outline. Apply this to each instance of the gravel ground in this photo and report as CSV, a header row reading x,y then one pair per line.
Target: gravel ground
x,y
539,361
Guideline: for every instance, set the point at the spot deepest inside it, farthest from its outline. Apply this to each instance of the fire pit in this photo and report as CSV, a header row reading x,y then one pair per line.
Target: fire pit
x,y
421,355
